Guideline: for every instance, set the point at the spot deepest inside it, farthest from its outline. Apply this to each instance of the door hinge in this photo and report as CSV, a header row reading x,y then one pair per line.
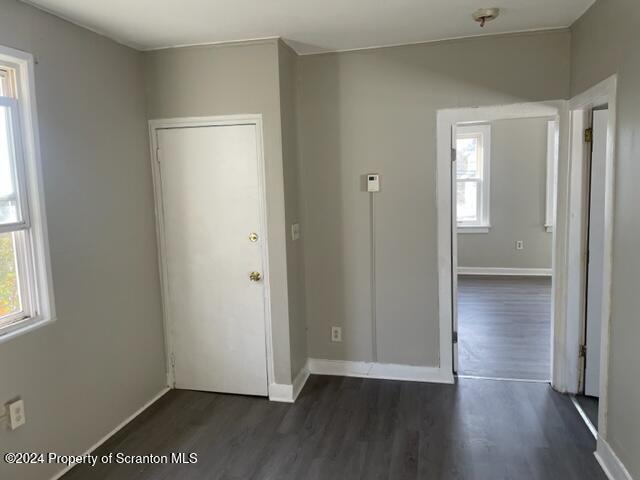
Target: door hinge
x,y
454,155
173,361
454,337
583,351
588,135
158,154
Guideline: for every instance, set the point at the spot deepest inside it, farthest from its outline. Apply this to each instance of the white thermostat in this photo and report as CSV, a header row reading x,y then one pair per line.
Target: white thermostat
x,y
373,182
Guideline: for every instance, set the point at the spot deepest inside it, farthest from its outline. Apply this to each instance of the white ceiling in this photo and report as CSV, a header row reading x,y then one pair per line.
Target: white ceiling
x,y
309,26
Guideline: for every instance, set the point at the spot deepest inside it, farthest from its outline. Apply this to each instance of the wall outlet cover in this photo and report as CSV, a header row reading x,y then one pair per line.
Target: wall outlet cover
x,y
336,334
17,417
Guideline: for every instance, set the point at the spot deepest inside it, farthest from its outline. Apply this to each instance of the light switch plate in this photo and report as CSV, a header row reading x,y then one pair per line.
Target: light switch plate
x,y
295,231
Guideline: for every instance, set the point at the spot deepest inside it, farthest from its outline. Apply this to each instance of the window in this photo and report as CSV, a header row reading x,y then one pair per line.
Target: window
x,y
553,147
473,147
25,287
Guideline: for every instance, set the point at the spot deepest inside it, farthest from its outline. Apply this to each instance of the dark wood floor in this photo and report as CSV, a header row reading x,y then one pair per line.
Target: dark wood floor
x,y
349,428
589,407
504,327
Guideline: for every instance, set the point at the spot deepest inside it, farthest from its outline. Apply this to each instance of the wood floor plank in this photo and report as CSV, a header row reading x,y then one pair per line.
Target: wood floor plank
x,y
504,326
362,429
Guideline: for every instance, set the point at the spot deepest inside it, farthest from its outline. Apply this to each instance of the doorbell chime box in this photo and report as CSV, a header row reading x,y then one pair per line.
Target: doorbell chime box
x,y
373,182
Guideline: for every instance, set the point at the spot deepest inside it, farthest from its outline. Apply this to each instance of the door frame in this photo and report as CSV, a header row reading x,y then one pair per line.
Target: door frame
x,y
580,108
447,228
210,121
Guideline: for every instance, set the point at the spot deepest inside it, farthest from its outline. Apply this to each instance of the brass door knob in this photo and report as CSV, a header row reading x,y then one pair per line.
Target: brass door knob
x,y
255,276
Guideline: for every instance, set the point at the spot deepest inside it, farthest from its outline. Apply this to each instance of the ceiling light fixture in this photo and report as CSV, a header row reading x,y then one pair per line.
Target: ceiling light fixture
x,y
484,15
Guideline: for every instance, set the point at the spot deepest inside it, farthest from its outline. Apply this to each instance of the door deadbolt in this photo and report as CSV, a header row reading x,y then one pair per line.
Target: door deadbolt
x,y
255,276
253,237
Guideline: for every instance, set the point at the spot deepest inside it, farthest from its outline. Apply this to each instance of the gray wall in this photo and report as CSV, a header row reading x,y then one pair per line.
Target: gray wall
x,y
375,111
104,357
605,41
518,173
287,62
226,80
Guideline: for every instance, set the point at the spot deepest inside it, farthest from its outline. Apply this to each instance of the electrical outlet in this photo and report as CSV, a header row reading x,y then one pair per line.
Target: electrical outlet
x,y
17,417
519,244
336,334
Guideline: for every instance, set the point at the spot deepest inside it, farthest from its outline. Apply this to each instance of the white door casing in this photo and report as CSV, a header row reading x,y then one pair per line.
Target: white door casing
x,y
209,188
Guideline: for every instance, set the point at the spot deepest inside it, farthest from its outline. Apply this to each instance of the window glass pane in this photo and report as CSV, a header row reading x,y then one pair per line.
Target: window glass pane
x,y
467,202
9,210
467,157
9,290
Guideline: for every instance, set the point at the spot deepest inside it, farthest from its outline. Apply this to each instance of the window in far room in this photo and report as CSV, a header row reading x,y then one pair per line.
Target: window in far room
x,y
473,151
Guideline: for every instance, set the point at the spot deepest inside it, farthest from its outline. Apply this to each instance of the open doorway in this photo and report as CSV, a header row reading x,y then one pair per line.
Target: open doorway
x,y
587,400
505,180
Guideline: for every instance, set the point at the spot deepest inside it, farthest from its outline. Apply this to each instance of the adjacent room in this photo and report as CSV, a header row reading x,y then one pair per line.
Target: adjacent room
x,y
319,240
505,200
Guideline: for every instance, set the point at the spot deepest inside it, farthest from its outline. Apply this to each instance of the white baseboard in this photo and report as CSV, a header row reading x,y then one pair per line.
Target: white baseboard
x,y
532,272
610,463
300,380
115,430
282,392
384,371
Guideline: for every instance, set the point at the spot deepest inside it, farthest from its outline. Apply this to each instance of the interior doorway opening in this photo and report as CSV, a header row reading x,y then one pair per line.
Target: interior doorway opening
x,y
588,398
505,173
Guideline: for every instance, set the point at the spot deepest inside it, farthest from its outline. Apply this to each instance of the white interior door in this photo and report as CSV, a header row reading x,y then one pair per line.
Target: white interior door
x,y
211,206
596,253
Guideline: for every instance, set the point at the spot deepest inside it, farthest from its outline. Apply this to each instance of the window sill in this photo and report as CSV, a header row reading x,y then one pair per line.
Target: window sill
x,y
474,229
19,328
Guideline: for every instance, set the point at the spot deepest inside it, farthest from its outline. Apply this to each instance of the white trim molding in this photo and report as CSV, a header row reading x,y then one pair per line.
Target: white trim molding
x,y
382,371
281,392
553,155
516,272
465,229
610,463
37,265
153,400
570,295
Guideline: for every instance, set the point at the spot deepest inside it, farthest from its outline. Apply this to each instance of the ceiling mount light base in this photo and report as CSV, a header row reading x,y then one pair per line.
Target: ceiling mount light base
x,y
484,15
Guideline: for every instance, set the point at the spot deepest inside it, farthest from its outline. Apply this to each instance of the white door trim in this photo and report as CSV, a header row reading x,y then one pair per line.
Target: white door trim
x,y
447,239
600,94
249,119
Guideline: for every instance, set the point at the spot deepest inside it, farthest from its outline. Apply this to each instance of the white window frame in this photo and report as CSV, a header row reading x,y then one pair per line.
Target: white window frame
x,y
483,224
553,151
32,246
